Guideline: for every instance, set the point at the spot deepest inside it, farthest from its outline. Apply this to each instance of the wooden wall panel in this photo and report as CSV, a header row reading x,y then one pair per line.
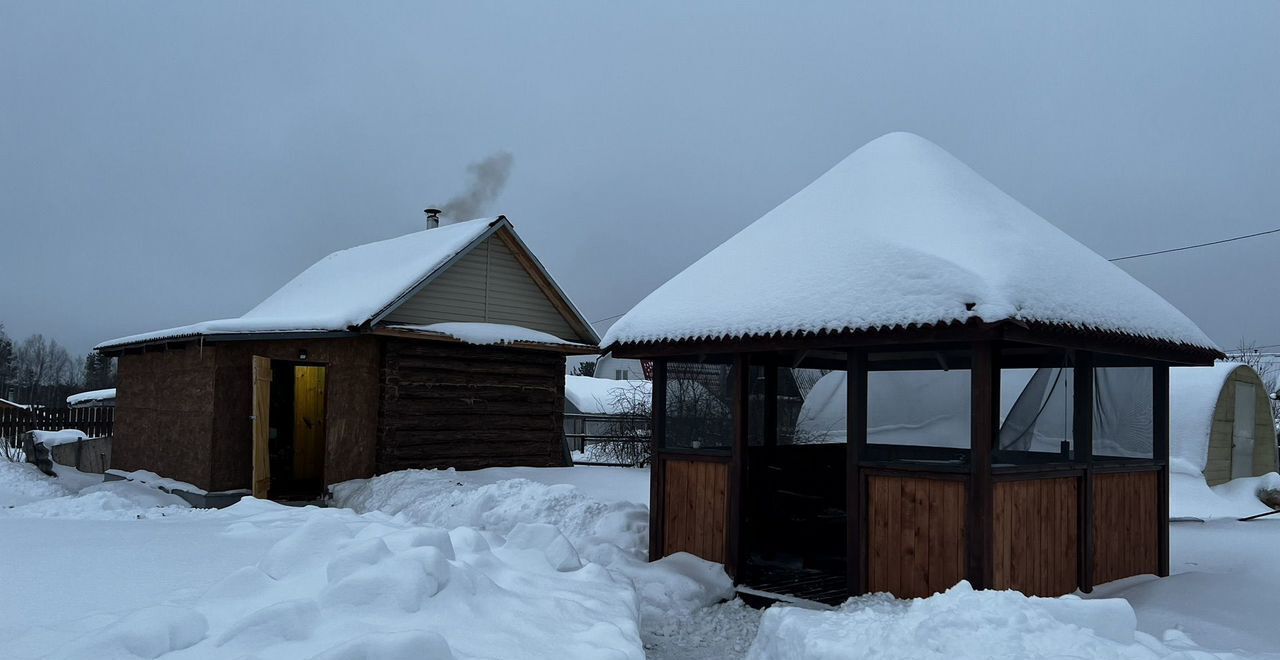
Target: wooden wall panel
x,y
915,535
1125,516
1036,530
696,508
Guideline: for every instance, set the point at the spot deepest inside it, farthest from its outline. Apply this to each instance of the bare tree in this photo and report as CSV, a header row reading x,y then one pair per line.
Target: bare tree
x,y
628,426
43,367
1266,364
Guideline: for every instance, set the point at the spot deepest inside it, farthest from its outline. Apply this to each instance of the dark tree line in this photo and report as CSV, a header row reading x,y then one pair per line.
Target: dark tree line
x,y
40,371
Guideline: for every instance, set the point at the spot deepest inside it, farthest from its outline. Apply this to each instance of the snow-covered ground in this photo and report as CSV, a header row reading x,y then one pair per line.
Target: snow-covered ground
x,y
517,562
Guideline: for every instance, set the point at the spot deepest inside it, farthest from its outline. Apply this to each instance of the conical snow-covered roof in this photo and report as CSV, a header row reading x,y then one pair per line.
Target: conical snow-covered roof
x,y
899,233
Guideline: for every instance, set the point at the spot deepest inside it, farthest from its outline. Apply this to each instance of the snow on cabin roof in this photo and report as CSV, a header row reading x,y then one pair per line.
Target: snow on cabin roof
x,y
489,334
345,289
899,233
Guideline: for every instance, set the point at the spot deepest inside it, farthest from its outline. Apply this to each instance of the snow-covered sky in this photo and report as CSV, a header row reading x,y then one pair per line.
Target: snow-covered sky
x,y
165,163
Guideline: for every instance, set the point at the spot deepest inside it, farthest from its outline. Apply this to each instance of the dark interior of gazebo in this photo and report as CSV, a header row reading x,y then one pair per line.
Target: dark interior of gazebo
x,y
830,465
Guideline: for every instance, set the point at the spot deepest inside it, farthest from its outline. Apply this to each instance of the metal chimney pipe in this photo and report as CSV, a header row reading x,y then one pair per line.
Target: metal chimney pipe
x,y
433,218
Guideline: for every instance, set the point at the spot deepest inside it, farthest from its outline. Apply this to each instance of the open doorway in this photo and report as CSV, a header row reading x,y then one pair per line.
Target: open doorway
x,y
289,440
795,520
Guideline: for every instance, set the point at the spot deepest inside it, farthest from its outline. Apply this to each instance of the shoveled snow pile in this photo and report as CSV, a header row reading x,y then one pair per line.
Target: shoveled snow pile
x,y
899,233
610,534
22,483
963,623
259,579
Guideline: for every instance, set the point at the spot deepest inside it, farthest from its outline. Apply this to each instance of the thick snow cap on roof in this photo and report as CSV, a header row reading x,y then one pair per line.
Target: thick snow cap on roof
x,y
344,289
899,233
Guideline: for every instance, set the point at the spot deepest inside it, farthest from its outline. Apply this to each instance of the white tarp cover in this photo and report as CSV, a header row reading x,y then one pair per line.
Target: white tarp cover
x,y
899,233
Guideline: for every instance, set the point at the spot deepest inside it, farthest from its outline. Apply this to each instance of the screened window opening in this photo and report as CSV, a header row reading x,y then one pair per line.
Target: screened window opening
x,y
1123,417
812,406
1036,411
919,408
699,406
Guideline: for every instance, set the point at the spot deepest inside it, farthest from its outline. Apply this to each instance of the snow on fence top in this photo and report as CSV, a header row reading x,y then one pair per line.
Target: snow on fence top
x,y
899,233
92,395
344,289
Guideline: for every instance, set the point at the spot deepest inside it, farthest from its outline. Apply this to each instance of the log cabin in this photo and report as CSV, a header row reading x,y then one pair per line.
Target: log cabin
x,y
440,348
980,396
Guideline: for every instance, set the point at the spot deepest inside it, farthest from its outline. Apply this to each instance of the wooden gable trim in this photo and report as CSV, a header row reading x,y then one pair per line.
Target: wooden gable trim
x,y
547,285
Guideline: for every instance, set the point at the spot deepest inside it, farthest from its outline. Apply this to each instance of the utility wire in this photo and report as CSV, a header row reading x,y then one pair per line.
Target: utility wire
x,y
1197,245
1130,256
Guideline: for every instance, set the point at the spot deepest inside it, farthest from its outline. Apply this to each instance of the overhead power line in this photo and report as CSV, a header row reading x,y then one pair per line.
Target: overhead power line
x,y
1129,256
1198,245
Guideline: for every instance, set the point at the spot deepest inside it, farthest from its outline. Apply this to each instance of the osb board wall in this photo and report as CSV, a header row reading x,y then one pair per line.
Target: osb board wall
x,y
1036,532
467,407
1125,515
351,404
696,506
915,534
164,413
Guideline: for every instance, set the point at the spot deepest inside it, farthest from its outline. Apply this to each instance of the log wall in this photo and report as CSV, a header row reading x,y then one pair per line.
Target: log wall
x,y
1125,518
695,508
915,534
468,407
1036,536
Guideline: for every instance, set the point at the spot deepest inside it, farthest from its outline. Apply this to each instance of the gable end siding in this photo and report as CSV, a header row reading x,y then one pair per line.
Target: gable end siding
x,y
488,285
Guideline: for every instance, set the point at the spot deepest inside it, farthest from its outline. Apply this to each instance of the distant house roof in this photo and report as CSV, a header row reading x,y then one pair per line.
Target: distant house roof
x,y
354,289
602,396
92,397
899,234
5,403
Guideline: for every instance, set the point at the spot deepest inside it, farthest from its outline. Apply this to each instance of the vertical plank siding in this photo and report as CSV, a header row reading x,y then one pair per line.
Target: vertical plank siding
x,y
915,534
1126,541
695,507
1036,539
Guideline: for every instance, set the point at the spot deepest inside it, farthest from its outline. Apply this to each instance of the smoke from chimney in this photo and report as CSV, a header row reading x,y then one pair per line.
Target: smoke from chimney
x,y
487,180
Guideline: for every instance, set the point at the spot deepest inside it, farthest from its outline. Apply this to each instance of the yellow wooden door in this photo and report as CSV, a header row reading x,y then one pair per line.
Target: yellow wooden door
x,y
261,426
308,423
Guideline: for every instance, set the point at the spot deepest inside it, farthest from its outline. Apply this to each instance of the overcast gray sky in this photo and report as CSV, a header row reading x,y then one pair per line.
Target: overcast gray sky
x,y
163,163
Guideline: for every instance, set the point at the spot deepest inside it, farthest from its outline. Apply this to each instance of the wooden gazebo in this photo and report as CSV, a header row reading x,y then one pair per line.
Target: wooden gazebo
x,y
902,378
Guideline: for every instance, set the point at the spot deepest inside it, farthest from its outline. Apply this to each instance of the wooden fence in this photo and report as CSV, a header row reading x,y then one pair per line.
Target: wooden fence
x,y
628,434
95,422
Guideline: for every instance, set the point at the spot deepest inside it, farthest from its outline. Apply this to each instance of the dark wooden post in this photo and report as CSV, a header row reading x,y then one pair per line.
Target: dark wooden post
x,y
1160,447
657,482
738,463
1082,440
984,423
855,489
